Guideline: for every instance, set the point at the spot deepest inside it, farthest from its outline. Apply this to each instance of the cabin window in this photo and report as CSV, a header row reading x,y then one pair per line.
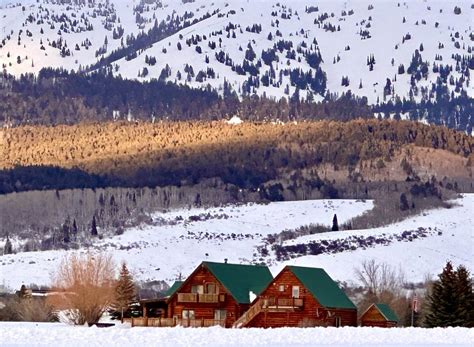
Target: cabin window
x,y
211,288
198,289
338,321
295,291
220,314
188,314
281,288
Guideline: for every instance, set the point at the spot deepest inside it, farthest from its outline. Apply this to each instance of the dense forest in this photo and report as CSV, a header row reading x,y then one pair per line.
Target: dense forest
x,y
140,154
61,97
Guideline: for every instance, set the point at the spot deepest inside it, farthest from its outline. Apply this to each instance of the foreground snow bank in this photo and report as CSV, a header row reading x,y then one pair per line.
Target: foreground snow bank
x,y
56,334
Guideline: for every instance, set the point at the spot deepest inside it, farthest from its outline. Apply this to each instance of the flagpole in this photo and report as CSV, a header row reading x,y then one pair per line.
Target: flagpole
x,y
414,302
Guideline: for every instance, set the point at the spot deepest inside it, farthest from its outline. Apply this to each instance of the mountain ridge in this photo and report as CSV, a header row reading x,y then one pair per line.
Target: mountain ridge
x,y
389,54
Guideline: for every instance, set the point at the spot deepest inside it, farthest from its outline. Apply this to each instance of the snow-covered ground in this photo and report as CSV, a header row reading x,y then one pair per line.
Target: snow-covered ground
x,y
51,334
450,237
176,245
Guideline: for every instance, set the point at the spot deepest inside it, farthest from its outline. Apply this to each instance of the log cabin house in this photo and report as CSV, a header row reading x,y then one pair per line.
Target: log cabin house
x,y
379,315
299,297
214,294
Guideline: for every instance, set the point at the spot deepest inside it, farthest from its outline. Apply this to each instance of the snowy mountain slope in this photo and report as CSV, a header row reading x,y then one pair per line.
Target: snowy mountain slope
x,y
181,239
343,35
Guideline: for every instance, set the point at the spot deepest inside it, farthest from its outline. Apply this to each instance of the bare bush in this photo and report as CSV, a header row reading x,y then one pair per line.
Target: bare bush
x,y
84,287
34,310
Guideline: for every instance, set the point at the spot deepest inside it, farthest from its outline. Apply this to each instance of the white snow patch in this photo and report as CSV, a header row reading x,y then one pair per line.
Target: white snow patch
x,y
235,120
57,334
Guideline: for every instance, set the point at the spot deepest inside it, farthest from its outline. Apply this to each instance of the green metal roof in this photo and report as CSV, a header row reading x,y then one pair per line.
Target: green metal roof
x,y
240,280
173,288
387,312
323,288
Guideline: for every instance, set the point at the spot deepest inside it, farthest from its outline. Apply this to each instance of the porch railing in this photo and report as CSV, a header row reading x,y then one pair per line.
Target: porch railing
x,y
172,322
187,297
282,302
204,298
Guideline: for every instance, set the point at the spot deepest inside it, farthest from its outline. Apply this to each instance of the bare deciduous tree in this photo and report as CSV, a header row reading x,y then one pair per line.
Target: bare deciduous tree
x,y
383,284
379,277
84,286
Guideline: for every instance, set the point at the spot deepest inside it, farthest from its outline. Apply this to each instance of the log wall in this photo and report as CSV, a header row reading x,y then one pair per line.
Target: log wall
x,y
312,313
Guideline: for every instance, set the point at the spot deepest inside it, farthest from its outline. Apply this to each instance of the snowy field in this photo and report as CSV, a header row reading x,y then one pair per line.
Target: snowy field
x,y
56,334
450,236
178,242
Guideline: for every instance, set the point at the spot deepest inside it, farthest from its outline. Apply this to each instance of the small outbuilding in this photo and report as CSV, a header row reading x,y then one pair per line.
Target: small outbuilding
x,y
379,315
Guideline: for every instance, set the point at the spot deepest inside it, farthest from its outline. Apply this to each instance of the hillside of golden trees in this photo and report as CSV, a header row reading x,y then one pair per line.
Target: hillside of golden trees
x,y
249,154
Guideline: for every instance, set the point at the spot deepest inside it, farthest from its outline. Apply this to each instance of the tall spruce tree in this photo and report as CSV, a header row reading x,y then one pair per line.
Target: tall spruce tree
x,y
450,302
335,225
125,292
465,309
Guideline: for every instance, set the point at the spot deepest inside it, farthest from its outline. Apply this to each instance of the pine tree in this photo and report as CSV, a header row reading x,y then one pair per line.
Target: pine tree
x,y
335,226
66,229
94,227
74,229
125,293
445,303
403,202
8,248
465,295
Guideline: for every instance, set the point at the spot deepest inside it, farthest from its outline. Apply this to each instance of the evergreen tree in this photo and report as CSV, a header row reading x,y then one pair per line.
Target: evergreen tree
x,y
8,248
335,225
465,295
403,202
74,229
450,302
94,227
66,230
125,293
